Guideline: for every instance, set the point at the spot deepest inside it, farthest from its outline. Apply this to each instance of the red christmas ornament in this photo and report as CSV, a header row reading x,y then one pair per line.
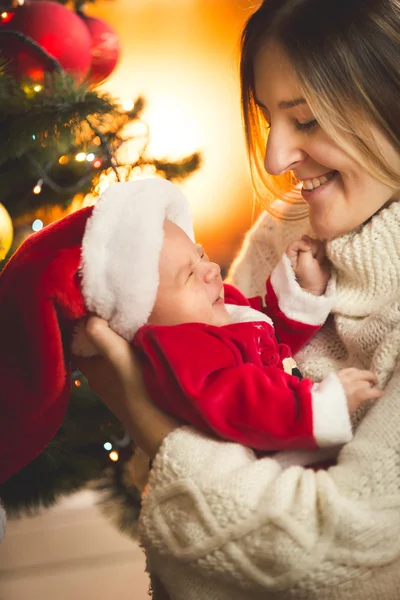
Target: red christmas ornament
x,y
105,49
57,30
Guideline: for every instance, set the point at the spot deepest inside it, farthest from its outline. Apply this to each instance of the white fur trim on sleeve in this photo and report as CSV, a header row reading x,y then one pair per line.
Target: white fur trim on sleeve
x,y
331,419
296,303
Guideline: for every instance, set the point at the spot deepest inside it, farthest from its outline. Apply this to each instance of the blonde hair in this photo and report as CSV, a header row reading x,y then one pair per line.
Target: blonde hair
x,y
346,56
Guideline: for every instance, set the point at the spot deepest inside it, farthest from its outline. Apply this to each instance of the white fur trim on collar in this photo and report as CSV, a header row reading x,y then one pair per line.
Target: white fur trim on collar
x,y
246,314
121,248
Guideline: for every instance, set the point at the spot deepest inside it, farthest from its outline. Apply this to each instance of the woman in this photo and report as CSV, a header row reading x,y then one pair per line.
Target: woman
x,y
320,93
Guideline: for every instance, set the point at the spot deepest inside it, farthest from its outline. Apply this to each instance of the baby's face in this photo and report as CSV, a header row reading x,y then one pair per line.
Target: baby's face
x,y
190,289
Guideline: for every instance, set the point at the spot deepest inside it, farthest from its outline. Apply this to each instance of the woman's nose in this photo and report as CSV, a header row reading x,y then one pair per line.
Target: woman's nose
x,y
283,153
211,271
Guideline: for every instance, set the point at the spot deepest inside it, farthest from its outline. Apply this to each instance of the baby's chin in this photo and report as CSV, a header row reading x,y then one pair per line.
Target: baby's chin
x,y
220,314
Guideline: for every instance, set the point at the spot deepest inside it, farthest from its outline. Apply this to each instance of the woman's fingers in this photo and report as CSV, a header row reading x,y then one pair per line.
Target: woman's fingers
x,y
104,338
113,348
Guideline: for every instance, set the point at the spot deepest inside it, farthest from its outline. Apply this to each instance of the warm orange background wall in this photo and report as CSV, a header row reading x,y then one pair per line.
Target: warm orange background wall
x,y
182,55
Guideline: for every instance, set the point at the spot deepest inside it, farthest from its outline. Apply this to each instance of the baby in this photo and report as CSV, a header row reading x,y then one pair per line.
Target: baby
x,y
212,358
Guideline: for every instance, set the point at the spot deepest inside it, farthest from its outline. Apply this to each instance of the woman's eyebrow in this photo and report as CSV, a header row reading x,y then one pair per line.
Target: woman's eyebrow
x,y
285,104
291,103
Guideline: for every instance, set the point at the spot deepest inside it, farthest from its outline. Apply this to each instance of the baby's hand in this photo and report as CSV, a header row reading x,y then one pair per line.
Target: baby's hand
x,y
358,386
309,263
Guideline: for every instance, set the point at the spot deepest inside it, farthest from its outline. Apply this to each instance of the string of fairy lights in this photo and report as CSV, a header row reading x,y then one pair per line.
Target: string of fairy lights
x,y
111,173
109,446
104,159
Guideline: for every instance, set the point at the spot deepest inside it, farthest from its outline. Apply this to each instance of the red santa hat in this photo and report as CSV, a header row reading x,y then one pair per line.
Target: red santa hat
x,y
102,259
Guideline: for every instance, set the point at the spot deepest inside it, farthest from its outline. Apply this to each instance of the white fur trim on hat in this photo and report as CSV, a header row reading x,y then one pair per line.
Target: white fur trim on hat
x,y
121,248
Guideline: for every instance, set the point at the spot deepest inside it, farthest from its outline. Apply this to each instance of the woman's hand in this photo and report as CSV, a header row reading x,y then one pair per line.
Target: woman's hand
x,y
116,377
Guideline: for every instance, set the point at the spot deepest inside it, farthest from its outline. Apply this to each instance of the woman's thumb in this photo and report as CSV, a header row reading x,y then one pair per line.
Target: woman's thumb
x,y
109,344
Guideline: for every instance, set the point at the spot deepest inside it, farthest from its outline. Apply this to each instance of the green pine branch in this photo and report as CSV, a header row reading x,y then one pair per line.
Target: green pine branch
x,y
39,123
49,118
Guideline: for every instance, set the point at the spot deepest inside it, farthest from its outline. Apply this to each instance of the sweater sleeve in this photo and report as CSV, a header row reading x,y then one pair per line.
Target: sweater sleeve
x,y
253,524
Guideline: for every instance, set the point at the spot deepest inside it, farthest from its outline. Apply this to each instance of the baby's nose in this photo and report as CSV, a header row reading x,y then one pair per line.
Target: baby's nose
x,y
213,270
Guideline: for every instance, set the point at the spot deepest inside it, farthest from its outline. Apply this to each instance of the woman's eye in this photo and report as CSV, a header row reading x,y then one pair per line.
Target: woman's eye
x,y
306,126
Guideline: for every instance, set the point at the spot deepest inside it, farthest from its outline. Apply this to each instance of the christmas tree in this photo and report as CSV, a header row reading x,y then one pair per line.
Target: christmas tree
x,y
61,141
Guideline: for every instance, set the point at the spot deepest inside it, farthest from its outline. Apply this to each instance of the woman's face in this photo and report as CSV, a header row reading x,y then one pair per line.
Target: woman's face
x,y
341,195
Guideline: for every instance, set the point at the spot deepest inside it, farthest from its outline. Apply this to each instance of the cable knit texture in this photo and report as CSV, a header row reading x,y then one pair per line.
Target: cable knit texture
x,y
218,524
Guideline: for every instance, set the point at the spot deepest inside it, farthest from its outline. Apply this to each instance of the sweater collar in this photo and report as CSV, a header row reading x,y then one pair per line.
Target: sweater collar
x,y
367,263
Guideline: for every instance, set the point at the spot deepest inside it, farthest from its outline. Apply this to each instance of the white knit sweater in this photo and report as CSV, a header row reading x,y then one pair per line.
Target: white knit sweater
x,y
218,524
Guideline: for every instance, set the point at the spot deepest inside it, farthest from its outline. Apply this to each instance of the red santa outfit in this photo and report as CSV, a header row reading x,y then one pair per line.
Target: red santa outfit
x,y
236,381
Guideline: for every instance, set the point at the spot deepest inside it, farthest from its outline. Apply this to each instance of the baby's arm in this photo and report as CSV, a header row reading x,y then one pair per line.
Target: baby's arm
x,y
298,314
196,374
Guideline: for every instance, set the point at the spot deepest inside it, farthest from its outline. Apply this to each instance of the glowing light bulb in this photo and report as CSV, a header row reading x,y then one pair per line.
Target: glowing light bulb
x,y
107,446
114,456
97,163
6,16
90,157
77,383
38,187
63,160
37,225
37,87
128,105
80,157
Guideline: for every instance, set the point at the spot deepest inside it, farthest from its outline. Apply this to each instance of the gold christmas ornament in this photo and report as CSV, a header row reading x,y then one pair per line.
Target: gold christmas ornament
x,y
6,232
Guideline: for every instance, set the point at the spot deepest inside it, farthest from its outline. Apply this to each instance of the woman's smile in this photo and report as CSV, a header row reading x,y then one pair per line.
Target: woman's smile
x,y
316,188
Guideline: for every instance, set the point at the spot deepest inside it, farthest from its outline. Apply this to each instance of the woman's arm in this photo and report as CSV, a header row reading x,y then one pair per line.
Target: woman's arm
x,y
116,378
251,522
212,503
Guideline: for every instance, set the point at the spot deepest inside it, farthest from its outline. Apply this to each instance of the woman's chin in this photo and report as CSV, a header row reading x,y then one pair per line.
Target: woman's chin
x,y
323,231
328,227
